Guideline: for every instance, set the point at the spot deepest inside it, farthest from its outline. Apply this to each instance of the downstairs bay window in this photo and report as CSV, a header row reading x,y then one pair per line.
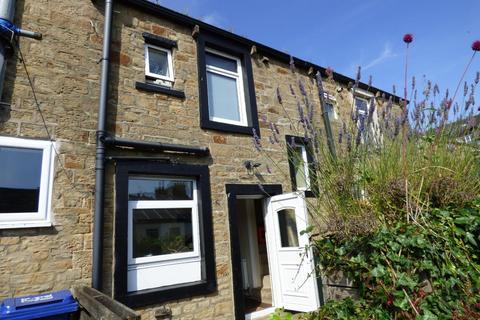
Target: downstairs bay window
x,y
164,247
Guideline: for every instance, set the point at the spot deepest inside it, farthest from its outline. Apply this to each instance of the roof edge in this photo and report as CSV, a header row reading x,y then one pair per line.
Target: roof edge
x,y
175,16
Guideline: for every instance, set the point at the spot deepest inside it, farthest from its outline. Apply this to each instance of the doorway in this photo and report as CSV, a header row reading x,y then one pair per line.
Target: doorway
x,y
250,268
256,281
271,266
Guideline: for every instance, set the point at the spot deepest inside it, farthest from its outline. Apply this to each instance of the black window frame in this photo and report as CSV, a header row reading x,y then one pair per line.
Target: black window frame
x,y
307,143
205,40
208,284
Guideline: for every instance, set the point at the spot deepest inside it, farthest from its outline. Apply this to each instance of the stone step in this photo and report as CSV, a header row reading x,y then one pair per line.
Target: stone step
x,y
266,282
266,290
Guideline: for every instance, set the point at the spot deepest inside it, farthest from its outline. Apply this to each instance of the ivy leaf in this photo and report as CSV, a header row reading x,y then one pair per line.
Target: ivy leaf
x,y
405,281
470,238
427,315
378,272
463,220
401,300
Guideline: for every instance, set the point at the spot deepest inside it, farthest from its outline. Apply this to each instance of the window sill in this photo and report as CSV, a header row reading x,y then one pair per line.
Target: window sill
x,y
150,87
23,225
175,292
225,127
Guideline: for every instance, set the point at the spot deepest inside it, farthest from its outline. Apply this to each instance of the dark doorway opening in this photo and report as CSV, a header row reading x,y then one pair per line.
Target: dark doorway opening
x,y
245,204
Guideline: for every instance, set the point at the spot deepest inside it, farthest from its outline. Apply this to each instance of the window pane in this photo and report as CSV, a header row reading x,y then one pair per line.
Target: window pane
x,y
300,168
20,179
161,231
222,97
158,62
361,105
212,59
146,188
288,228
329,110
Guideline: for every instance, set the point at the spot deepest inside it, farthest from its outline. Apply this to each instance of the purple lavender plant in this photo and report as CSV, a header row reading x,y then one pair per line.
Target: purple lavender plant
x,y
256,140
279,96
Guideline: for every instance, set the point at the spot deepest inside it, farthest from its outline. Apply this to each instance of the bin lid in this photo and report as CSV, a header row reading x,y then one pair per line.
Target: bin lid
x,y
37,306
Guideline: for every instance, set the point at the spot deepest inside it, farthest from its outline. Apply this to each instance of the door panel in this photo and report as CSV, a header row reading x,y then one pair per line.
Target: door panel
x,y
293,279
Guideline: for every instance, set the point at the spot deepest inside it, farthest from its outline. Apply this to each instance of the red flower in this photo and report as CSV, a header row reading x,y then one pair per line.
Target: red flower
x,y
329,71
476,45
407,38
390,300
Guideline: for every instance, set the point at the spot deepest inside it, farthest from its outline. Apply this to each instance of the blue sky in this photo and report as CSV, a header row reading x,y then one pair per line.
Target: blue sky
x,y
348,33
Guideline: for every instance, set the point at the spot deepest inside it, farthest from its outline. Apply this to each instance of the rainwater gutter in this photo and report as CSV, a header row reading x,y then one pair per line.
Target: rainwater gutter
x,y
98,219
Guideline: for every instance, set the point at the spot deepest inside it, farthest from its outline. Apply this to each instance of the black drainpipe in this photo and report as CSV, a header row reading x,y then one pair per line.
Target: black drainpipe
x,y
100,153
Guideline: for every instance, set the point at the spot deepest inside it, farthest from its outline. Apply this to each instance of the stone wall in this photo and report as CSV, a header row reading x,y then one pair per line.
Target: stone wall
x,y
65,76
65,72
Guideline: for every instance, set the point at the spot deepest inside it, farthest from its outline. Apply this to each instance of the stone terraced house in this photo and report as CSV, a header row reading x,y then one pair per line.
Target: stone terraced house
x,y
127,161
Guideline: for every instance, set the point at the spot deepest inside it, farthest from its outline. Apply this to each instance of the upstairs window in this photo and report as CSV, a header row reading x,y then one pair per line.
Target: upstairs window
x,y
226,98
363,103
159,60
158,64
25,182
361,107
227,94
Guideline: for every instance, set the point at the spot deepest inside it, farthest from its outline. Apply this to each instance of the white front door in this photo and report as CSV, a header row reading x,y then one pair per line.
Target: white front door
x,y
294,283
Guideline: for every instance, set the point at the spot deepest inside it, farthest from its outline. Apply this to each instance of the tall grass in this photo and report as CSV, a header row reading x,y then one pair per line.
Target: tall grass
x,y
394,161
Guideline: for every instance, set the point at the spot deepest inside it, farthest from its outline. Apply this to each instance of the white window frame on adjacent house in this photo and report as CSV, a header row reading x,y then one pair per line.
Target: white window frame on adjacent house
x,y
368,97
238,77
42,217
329,99
169,78
142,269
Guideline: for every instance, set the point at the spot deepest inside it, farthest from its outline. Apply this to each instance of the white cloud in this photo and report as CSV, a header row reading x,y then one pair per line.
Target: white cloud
x,y
212,18
385,55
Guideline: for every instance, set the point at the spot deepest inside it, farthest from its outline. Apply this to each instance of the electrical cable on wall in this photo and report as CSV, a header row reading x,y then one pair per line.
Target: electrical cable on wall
x,y
37,104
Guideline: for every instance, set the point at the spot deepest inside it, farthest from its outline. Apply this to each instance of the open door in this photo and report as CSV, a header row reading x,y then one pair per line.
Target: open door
x,y
294,283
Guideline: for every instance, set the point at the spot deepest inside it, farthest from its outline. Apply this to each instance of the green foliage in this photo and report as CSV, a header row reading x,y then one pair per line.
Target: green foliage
x,y
410,271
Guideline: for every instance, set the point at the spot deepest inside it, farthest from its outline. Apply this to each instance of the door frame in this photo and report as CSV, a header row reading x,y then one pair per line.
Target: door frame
x,y
233,191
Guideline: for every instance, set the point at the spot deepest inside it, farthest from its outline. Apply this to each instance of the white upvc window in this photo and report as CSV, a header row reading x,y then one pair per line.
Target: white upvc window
x,y
302,172
158,64
226,97
163,232
25,182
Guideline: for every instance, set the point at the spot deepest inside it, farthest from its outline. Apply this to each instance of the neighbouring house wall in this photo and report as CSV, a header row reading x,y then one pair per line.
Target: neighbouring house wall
x,y
65,72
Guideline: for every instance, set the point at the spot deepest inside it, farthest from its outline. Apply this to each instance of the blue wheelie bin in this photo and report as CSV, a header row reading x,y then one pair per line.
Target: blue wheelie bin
x,y
58,305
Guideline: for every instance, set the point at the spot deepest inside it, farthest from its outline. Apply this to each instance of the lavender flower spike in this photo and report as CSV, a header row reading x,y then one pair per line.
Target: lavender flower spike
x,y
256,140
279,96
302,88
